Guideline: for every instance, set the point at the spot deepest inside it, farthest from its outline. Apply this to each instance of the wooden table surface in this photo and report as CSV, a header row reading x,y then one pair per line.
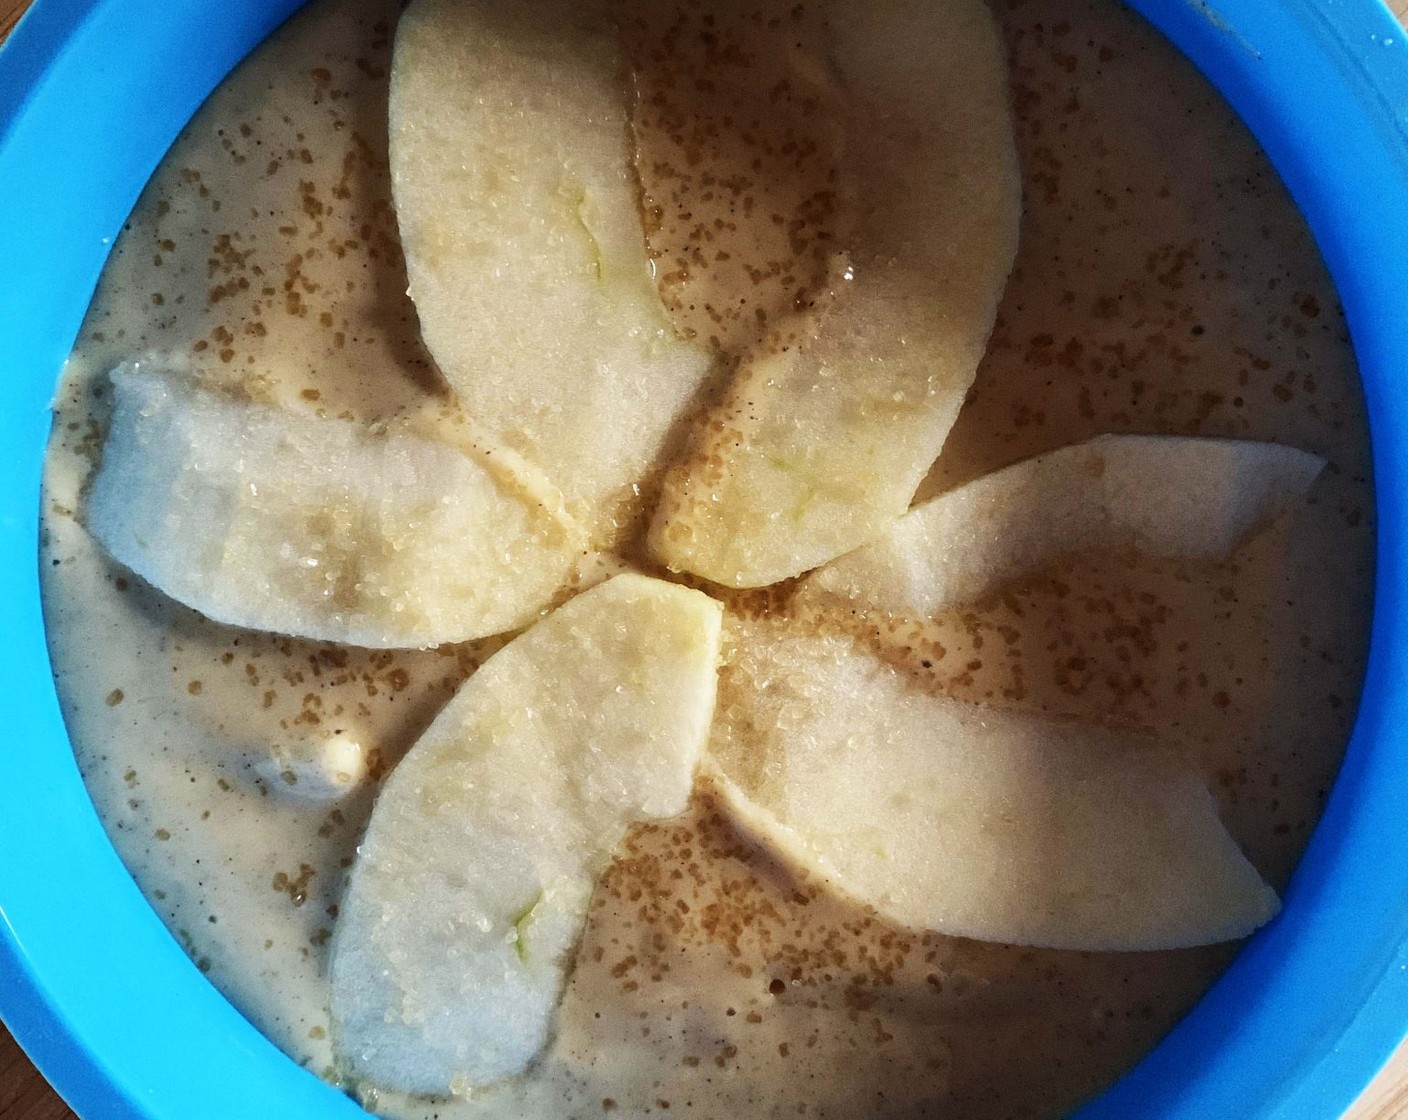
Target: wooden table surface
x,y
24,1094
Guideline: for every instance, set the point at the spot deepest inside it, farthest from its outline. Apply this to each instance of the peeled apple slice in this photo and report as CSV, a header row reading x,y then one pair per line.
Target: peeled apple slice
x,y
1165,496
318,528
517,200
993,825
471,886
820,445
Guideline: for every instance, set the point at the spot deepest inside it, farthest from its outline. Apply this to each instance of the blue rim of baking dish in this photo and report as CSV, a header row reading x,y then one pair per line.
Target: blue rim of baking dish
x,y
121,1022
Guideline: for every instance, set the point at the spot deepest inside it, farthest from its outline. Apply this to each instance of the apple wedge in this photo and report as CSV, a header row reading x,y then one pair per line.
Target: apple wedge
x,y
472,882
992,825
1165,496
317,528
821,443
519,214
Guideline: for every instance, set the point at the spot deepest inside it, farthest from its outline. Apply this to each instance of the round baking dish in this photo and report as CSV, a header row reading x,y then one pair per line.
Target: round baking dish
x,y
92,92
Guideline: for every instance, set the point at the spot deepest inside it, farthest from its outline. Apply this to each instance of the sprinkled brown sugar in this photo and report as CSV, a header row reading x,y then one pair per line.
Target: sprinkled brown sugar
x,y
295,886
875,984
333,208
737,156
1142,301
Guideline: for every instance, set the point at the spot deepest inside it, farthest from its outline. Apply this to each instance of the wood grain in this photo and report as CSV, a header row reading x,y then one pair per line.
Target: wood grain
x,y
10,12
24,1095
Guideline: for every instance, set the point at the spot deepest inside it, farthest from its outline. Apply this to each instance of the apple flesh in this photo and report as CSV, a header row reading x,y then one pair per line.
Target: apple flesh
x,y
821,443
518,207
318,528
1163,496
945,816
472,883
